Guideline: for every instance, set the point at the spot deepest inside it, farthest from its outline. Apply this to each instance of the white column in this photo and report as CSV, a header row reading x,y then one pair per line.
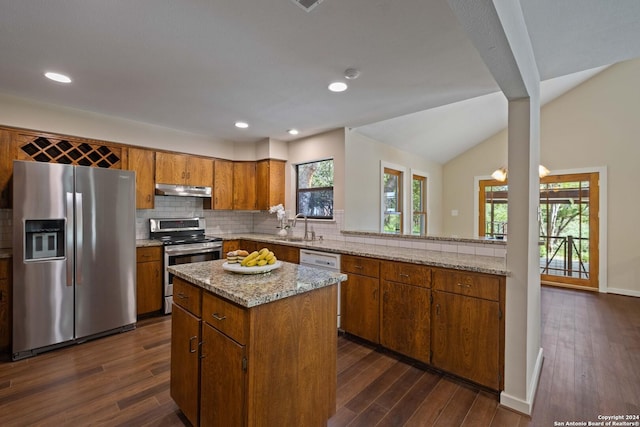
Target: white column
x,y
523,354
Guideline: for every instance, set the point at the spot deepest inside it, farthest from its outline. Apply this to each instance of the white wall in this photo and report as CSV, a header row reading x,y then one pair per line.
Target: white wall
x,y
328,145
362,182
28,114
592,126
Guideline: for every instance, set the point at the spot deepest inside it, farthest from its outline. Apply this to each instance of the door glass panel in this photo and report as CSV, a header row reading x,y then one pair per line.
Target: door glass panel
x,y
568,225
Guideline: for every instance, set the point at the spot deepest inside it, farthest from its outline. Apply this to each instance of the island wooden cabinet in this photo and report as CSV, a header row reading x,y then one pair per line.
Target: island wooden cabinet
x,y
143,162
185,348
405,309
183,169
360,297
240,380
244,186
467,326
148,280
223,362
270,183
5,304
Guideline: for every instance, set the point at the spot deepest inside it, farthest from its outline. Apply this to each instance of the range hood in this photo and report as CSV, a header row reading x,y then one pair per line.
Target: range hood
x,y
182,190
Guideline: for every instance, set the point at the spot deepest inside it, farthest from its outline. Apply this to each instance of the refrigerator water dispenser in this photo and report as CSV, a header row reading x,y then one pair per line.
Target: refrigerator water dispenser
x,y
44,239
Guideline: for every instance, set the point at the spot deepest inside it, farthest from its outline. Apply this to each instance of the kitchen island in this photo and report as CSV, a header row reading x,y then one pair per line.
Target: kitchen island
x,y
254,350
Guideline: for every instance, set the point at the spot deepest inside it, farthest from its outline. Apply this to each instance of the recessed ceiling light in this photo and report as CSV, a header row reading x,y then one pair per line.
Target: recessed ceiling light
x,y
57,77
293,131
338,87
242,125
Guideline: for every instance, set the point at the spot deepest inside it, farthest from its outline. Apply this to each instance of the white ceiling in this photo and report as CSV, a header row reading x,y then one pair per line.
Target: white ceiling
x,y
200,65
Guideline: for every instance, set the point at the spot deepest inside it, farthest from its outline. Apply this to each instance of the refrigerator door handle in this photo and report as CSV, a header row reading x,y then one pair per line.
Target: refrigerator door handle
x,y
69,239
78,258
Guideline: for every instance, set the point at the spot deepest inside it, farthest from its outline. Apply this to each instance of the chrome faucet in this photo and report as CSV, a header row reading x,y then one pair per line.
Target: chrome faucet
x,y
306,232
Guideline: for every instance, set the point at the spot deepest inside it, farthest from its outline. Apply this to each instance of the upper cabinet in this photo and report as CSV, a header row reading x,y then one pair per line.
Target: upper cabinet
x,y
7,154
244,186
270,183
143,163
222,184
183,169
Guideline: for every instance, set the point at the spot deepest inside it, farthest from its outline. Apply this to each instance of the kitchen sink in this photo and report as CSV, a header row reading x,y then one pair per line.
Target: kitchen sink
x,y
292,239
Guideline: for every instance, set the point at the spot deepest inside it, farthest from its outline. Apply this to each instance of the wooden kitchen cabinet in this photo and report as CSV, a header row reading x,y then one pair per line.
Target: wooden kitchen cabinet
x,y
149,281
224,362
183,169
244,186
230,245
284,252
143,162
241,380
270,183
405,309
360,311
223,372
467,326
7,155
222,185
5,305
185,349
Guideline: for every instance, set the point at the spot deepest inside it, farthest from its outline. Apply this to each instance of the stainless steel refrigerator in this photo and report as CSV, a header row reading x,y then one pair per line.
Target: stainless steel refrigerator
x,y
74,246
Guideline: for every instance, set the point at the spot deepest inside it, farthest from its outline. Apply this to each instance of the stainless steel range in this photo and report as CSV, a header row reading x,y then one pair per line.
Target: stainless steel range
x,y
184,241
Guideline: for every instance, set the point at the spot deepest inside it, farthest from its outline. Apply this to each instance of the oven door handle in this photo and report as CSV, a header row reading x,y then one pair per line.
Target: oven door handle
x,y
172,252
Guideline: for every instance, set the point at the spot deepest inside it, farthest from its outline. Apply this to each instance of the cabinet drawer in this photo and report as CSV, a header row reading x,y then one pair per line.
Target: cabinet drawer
x,y
187,296
4,268
360,265
410,274
225,316
149,254
476,285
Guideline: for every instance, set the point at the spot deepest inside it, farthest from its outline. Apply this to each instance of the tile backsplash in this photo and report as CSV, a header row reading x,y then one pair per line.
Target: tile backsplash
x,y
220,223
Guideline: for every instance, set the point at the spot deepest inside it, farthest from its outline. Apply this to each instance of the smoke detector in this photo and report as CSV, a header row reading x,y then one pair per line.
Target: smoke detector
x,y
307,5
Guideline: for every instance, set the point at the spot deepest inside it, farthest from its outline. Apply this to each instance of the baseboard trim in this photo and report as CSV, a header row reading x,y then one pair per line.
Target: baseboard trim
x,y
520,405
625,292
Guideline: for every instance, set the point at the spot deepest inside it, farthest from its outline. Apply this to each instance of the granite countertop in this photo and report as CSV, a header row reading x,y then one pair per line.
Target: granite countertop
x,y
453,260
6,252
250,290
145,243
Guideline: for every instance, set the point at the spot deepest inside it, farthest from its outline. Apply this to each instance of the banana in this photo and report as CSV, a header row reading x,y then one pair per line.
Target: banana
x,y
253,255
262,262
269,256
252,263
272,261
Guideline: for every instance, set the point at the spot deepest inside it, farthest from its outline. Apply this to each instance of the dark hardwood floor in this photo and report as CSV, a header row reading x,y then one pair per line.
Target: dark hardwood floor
x,y
592,366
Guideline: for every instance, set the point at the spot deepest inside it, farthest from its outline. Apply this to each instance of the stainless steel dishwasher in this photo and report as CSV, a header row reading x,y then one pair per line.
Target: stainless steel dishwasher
x,y
324,260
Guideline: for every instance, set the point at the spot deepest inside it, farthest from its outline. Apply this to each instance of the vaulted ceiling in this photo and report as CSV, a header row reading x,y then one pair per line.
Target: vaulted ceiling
x,y
199,66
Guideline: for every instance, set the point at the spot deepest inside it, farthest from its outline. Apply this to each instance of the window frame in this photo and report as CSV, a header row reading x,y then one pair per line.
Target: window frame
x,y
315,189
401,173
423,177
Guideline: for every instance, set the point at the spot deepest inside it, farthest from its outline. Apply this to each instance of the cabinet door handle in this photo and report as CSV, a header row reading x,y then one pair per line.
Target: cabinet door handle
x,y
218,317
183,175
375,294
191,349
202,353
359,267
148,197
1,295
404,275
464,285
437,309
182,296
